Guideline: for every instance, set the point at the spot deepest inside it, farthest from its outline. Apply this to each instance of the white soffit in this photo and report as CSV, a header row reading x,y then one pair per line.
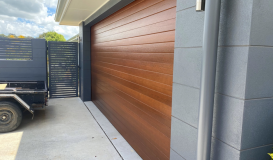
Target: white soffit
x,y
73,12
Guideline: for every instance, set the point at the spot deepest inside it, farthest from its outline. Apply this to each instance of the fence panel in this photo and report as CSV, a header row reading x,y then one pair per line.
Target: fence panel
x,y
15,49
22,59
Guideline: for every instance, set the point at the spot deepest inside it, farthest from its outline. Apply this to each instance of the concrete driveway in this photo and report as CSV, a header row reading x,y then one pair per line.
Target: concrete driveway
x,y
65,130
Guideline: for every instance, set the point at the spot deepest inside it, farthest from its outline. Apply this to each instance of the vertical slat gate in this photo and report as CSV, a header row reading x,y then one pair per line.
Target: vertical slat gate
x,y
63,69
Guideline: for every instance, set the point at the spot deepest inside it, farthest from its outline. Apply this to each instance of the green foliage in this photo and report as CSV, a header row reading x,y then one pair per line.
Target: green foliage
x,y
29,37
2,35
42,36
52,36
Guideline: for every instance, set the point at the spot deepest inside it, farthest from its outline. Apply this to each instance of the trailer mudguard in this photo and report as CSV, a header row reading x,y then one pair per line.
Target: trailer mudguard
x,y
19,100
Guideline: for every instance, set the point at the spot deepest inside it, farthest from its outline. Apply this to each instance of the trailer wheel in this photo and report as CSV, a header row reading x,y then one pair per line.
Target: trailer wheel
x,y
10,116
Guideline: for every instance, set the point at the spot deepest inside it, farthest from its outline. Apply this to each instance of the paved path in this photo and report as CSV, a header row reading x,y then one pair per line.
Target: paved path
x,y
65,130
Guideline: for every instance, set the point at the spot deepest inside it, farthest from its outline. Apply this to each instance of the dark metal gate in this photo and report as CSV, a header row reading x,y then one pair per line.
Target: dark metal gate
x,y
63,69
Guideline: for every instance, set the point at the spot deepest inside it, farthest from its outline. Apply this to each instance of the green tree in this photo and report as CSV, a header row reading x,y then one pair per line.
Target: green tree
x,y
28,37
52,36
2,35
42,36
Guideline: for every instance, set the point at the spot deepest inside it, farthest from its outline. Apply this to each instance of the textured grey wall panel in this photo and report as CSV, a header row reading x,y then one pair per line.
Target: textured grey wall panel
x,y
257,126
189,28
244,88
262,23
187,66
228,120
222,151
259,153
185,104
185,4
232,71
175,156
184,139
235,22
259,83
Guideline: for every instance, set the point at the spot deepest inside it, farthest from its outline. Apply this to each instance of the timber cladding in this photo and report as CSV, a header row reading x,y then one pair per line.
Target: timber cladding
x,y
132,71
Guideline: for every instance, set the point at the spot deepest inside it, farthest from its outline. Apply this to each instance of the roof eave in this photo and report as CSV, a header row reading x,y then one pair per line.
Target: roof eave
x,y
60,10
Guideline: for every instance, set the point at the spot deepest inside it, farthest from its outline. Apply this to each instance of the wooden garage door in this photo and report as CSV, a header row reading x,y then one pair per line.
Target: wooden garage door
x,y
132,67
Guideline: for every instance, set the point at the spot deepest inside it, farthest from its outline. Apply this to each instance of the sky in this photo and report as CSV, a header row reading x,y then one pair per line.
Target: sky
x,y
31,18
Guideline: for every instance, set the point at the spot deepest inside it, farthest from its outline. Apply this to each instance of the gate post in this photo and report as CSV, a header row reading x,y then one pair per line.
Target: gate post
x,y
85,62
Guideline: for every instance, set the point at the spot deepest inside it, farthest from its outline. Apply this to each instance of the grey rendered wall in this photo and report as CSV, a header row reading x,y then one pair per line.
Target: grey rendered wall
x,y
242,128
34,70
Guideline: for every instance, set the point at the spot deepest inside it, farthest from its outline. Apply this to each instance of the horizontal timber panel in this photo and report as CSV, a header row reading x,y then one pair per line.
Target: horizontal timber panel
x,y
145,30
143,90
144,48
146,39
159,87
151,10
150,66
149,57
147,109
142,128
130,9
136,110
160,17
129,133
161,107
158,77
132,54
